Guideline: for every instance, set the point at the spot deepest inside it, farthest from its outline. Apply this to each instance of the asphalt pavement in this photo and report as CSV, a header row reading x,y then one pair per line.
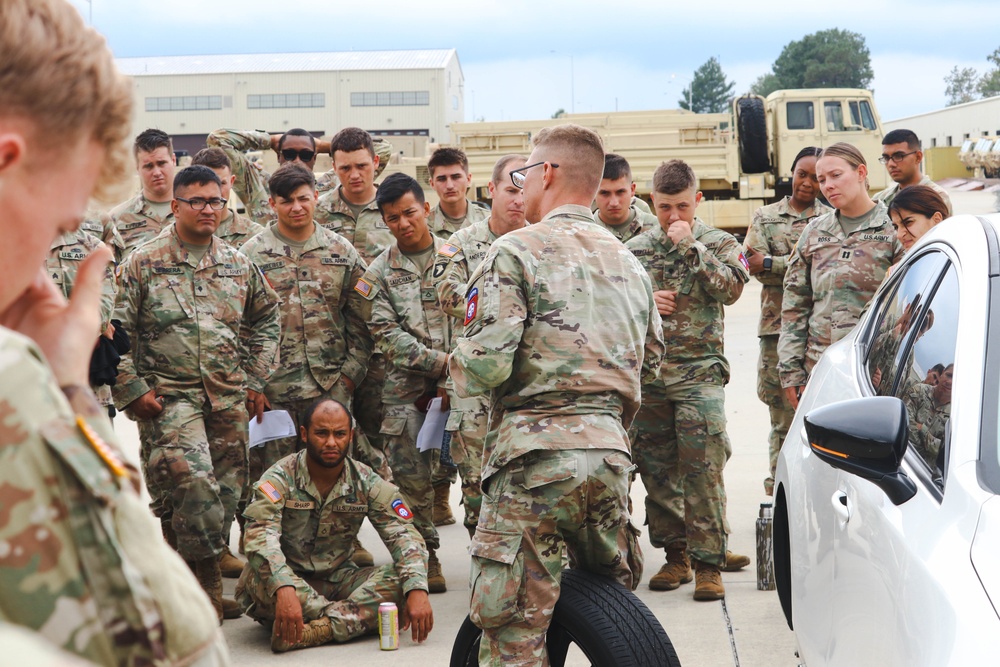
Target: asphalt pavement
x,y
747,629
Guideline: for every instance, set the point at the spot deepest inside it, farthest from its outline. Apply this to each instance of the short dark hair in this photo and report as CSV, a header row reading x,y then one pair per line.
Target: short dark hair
x,y
212,157
288,178
197,174
151,139
296,132
615,167
445,157
395,187
909,137
352,139
674,177
920,199
808,151
307,416
937,368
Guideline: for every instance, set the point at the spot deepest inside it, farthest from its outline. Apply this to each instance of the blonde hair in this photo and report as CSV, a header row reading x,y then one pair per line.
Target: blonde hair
x,y
846,152
60,75
582,152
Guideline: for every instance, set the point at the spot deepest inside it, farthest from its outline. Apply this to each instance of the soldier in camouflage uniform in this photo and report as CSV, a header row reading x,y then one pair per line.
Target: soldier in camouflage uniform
x,y
235,228
187,301
102,227
838,262
902,158
145,215
681,445
414,334
306,514
560,324
82,564
615,201
251,179
772,234
457,259
450,179
929,409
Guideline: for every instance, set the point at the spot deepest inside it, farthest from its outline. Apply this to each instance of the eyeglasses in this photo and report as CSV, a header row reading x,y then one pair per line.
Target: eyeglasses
x,y
304,154
896,157
199,204
517,176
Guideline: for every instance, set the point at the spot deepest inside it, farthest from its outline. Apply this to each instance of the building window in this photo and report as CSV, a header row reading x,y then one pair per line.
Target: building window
x,y
186,103
287,101
411,98
933,142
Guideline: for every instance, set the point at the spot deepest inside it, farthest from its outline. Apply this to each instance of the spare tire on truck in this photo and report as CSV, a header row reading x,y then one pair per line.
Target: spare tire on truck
x,y
607,622
751,123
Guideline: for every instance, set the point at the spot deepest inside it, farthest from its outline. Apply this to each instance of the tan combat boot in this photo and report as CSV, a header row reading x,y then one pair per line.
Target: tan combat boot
x,y
230,566
231,609
315,633
735,562
676,571
362,557
435,580
442,508
708,584
209,576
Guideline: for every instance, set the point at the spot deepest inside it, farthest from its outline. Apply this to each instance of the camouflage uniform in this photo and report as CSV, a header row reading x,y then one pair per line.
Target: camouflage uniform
x,y
560,324
640,204
414,336
637,223
83,563
296,537
102,228
829,279
236,229
252,181
927,421
681,445
469,420
137,223
886,196
185,322
443,226
65,255
773,232
324,335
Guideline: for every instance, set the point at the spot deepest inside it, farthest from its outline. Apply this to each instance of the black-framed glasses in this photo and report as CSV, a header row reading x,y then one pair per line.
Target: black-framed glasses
x,y
896,157
199,204
517,176
303,154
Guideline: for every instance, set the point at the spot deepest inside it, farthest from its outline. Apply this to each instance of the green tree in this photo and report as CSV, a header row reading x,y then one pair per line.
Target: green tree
x,y
559,113
709,90
961,85
826,59
989,85
765,84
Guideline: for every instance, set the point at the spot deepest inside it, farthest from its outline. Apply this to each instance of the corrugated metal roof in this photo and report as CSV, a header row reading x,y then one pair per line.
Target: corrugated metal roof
x,y
287,62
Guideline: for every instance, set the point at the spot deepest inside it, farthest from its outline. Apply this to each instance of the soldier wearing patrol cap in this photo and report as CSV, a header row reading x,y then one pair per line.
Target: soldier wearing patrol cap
x,y
204,326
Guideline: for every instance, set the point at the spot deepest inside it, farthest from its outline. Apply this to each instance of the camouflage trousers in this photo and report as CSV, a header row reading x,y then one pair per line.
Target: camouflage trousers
x,y
769,391
411,469
681,448
368,408
468,423
349,596
536,508
195,460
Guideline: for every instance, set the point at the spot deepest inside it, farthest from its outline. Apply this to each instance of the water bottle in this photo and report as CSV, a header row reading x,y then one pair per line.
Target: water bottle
x,y
765,553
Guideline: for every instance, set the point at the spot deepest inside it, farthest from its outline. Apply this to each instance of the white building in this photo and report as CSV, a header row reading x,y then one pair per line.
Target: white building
x,y
950,126
389,93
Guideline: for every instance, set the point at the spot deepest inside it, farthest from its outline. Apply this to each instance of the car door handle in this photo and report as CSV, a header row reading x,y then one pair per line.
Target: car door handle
x,y
841,506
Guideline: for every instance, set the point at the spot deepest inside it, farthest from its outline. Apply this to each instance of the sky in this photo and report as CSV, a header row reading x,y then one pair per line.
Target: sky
x,y
525,59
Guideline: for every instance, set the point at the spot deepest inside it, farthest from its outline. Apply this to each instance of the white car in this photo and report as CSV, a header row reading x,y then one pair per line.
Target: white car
x,y
887,520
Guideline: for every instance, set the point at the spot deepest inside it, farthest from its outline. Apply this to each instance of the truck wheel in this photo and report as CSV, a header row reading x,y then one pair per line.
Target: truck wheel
x,y
752,125
607,623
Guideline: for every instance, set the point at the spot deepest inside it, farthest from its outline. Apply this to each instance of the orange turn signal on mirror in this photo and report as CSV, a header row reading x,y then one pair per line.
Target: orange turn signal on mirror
x,y
827,451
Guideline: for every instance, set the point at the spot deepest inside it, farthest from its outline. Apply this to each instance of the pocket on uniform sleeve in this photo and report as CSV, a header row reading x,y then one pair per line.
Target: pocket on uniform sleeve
x,y
498,597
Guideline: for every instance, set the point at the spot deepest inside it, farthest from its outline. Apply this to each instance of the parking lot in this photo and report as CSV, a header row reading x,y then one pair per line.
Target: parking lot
x,y
746,630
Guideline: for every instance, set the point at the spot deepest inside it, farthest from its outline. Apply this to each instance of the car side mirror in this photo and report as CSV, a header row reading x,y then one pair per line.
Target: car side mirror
x,y
866,437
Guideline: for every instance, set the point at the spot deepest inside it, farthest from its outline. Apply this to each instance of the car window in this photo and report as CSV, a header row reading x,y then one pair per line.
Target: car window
x,y
801,116
867,117
896,314
834,116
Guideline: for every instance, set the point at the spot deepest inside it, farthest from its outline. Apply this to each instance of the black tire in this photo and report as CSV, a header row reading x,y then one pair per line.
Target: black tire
x,y
751,121
607,622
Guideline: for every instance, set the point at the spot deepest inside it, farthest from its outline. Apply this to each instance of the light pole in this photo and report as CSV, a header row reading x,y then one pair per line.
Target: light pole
x,y
690,86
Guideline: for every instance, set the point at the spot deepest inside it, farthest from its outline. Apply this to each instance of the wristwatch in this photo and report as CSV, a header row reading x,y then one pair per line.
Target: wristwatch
x,y
767,263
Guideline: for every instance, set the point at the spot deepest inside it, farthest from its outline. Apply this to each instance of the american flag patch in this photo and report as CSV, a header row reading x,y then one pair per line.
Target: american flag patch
x,y
744,262
449,250
268,490
364,288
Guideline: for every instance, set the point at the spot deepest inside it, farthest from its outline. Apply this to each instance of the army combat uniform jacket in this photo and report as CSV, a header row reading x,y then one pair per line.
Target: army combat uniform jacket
x,y
886,196
294,534
102,228
185,322
323,330
368,233
456,261
236,228
65,256
560,324
442,226
137,223
708,272
638,222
